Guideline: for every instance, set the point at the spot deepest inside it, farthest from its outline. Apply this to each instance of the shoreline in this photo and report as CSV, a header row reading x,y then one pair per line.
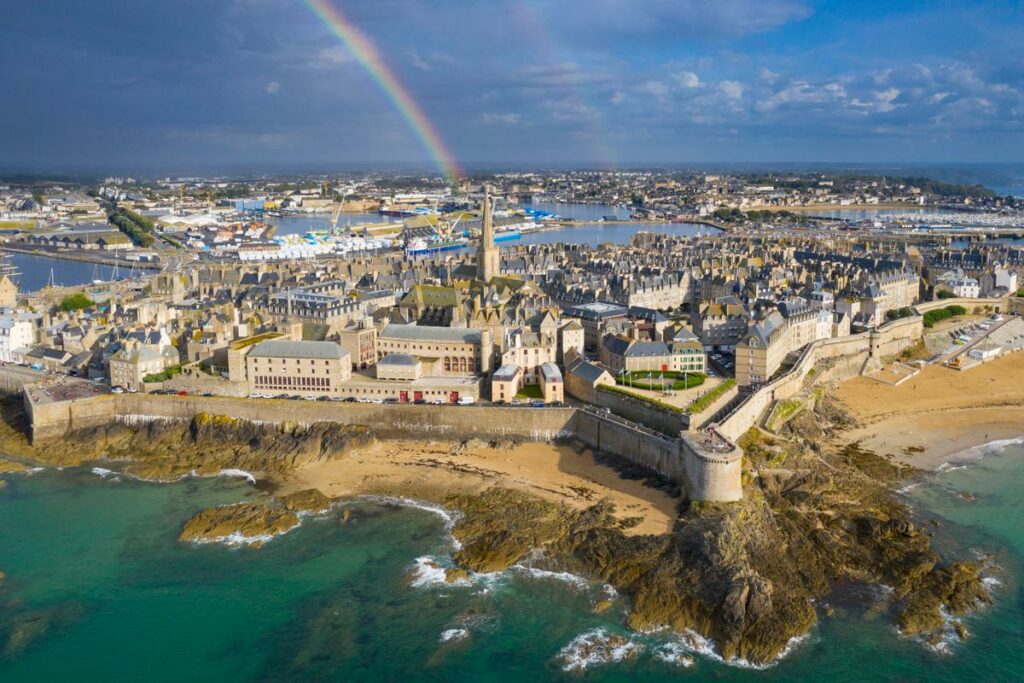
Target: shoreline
x,y
83,258
433,471
939,414
928,441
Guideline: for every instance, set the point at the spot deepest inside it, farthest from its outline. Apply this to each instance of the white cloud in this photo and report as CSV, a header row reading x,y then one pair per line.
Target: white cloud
x,y
504,118
732,89
884,99
334,55
273,87
656,88
419,62
687,79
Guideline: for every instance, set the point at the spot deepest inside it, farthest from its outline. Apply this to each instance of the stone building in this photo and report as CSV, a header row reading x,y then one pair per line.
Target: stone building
x,y
462,351
552,385
304,368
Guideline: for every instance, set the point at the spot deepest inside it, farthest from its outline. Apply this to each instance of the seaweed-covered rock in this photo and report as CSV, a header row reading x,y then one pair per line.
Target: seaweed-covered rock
x,y
242,523
309,501
957,587
165,450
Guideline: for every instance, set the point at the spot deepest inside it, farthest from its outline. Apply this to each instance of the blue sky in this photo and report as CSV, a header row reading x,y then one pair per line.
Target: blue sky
x,y
174,84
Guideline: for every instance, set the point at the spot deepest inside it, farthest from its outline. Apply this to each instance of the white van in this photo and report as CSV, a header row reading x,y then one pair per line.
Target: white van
x,y
466,401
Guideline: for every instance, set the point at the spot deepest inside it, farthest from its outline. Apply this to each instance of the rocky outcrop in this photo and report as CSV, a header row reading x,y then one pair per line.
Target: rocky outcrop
x,y
745,575
242,523
957,588
164,450
310,501
253,523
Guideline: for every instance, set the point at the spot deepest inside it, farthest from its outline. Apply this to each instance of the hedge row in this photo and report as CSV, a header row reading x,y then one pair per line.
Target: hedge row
x,y
932,317
702,403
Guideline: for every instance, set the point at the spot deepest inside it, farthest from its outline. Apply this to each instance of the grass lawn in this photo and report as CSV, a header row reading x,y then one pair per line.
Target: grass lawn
x,y
531,392
672,380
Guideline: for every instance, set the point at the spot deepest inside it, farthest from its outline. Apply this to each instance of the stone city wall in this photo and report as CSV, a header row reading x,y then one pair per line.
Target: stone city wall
x,y
644,447
635,409
999,305
889,339
657,452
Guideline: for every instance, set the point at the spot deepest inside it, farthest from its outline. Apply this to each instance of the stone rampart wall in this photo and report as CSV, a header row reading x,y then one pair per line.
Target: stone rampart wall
x,y
637,410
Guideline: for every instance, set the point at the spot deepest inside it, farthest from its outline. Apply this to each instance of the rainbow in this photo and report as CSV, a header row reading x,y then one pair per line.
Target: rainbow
x,y
365,52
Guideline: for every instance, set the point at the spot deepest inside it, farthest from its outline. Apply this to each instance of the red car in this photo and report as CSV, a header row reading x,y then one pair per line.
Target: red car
x,y
182,393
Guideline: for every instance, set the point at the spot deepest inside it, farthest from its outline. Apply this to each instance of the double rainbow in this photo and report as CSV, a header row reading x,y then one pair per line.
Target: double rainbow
x,y
365,52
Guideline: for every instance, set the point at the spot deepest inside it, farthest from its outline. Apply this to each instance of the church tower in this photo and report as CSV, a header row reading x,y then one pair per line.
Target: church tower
x,y
488,258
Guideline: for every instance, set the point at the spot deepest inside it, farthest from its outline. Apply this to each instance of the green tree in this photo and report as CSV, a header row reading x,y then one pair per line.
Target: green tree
x,y
75,302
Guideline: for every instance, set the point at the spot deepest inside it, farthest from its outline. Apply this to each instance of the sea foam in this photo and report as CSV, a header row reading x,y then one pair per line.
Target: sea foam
x,y
595,647
242,474
453,634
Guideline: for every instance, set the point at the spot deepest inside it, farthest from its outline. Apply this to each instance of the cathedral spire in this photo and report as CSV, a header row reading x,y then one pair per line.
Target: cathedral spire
x,y
488,259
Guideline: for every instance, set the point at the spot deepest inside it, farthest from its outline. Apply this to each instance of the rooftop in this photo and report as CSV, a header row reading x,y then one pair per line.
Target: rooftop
x,y
282,348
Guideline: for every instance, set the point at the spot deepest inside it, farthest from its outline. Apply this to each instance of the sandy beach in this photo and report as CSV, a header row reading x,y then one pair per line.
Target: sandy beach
x,y
433,470
937,415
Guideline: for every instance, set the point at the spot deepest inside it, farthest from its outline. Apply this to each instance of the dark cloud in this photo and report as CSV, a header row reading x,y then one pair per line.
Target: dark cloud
x,y
144,82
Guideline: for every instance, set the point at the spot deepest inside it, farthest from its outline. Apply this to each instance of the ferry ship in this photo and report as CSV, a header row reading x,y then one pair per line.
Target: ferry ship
x,y
422,247
507,236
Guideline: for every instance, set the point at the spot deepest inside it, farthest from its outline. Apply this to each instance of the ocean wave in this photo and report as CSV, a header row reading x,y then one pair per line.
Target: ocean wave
x,y
699,645
977,452
237,539
944,644
991,583
102,472
597,647
453,634
428,571
572,579
673,653
904,490
242,474
449,516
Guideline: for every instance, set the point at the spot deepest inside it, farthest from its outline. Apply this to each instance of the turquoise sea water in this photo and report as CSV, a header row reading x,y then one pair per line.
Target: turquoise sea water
x,y
126,601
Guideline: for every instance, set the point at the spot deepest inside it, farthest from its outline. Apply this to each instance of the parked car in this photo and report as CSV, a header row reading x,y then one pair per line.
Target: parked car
x,y
117,390
466,401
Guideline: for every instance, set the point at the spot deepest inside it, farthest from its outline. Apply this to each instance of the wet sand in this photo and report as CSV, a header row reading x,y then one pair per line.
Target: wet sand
x,y
934,417
433,470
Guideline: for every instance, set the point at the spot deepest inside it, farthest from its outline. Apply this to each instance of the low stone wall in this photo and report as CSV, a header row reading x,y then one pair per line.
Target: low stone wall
x,y
999,305
13,379
638,410
701,419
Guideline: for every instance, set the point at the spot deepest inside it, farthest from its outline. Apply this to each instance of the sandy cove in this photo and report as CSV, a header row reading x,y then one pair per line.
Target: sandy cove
x,y
432,471
934,417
